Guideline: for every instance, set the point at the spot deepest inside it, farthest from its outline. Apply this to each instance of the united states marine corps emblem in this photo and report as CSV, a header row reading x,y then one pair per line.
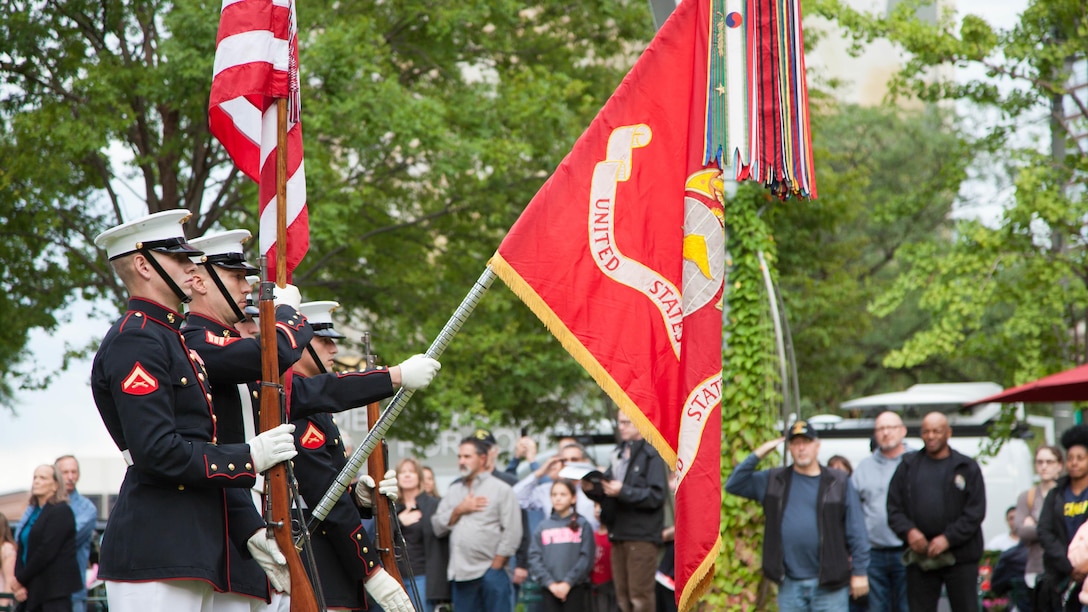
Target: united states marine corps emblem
x,y
704,239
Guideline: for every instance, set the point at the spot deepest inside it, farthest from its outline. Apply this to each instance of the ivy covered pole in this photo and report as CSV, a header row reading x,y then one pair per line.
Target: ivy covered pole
x,y
751,397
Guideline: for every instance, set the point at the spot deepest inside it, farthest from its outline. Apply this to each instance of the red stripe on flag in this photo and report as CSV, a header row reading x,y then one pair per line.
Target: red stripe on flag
x,y
254,55
622,255
254,15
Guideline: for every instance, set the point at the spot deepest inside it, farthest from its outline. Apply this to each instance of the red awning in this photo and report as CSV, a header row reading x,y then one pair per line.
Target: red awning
x,y
1067,386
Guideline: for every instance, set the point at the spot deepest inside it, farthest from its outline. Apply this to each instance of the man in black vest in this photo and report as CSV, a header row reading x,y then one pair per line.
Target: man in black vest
x,y
815,545
936,504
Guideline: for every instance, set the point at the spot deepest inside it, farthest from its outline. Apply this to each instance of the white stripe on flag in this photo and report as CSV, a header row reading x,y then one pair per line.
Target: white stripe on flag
x,y
296,201
269,133
736,52
251,47
245,116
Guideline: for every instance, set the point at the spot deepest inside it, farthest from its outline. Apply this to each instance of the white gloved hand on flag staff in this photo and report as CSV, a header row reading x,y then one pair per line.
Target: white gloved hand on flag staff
x,y
272,447
387,592
288,294
418,371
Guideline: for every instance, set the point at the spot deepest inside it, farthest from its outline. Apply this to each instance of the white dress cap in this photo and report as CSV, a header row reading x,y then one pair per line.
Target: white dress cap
x,y
319,315
161,232
225,249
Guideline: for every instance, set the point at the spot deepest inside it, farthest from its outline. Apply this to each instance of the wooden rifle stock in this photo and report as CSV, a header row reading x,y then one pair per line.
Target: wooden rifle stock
x,y
279,519
272,415
383,526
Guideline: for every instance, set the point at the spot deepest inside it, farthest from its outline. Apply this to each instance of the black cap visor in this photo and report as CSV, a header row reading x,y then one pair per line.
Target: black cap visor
x,y
169,246
173,246
326,330
232,261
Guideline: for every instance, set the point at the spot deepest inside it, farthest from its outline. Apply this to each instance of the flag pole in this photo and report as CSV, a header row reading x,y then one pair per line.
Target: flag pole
x,y
273,396
379,428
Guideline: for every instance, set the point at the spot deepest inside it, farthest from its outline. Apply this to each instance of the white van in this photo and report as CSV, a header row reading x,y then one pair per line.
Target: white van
x,y
1006,475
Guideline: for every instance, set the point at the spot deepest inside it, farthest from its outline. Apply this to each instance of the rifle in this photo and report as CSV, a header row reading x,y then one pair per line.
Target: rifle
x,y
273,405
376,465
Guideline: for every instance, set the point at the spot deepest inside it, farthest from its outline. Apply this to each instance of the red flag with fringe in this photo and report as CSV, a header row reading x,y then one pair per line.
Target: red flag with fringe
x,y
256,62
622,256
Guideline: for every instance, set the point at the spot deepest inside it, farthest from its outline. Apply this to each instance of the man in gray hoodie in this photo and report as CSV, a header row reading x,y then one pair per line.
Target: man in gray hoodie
x,y
887,575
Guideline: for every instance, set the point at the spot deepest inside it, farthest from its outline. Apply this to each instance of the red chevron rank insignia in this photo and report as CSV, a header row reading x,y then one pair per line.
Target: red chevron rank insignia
x,y
215,340
139,382
312,438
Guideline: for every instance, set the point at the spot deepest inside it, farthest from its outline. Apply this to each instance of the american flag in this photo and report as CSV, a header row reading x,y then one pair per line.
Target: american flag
x,y
256,62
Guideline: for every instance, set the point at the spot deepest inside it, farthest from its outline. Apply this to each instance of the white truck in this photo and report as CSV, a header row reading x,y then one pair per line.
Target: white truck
x,y
1006,475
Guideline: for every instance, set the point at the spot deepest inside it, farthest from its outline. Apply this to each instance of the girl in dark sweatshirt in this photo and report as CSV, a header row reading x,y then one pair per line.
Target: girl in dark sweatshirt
x,y
561,553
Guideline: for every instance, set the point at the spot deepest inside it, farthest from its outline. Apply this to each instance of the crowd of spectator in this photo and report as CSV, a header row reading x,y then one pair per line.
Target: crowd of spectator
x,y
900,531
549,540
903,531
44,559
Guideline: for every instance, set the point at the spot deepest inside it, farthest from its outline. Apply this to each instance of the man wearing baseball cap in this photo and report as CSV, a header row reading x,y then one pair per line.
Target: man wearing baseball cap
x,y
815,545
184,493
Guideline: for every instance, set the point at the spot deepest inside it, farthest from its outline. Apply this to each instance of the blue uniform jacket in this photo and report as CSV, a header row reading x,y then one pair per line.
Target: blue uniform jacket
x,y
345,554
233,364
183,493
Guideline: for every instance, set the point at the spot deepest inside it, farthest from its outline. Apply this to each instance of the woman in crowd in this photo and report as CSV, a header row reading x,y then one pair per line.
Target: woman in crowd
x,y
7,561
427,556
46,572
1064,511
562,552
430,487
838,462
1048,466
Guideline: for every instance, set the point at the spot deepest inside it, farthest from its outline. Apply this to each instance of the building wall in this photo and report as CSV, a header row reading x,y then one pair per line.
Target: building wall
x,y
863,79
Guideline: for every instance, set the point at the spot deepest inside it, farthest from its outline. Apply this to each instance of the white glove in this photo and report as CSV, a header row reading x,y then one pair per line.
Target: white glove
x,y
267,554
387,487
417,371
272,447
387,592
288,294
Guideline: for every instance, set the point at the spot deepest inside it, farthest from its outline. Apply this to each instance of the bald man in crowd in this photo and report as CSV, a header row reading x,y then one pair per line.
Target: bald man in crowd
x,y
887,576
936,504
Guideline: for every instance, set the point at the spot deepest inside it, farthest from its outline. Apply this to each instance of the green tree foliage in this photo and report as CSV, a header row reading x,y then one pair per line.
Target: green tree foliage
x,y
428,127
888,181
1010,296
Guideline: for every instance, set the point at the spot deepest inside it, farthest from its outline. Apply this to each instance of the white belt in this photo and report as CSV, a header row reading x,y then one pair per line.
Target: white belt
x,y
249,430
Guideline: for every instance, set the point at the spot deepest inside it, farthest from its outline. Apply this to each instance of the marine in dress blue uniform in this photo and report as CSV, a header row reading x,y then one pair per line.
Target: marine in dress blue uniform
x,y
347,561
184,493
233,364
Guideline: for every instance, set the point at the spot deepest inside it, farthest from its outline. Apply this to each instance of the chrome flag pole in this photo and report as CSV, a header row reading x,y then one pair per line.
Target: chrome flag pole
x,y
377,431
